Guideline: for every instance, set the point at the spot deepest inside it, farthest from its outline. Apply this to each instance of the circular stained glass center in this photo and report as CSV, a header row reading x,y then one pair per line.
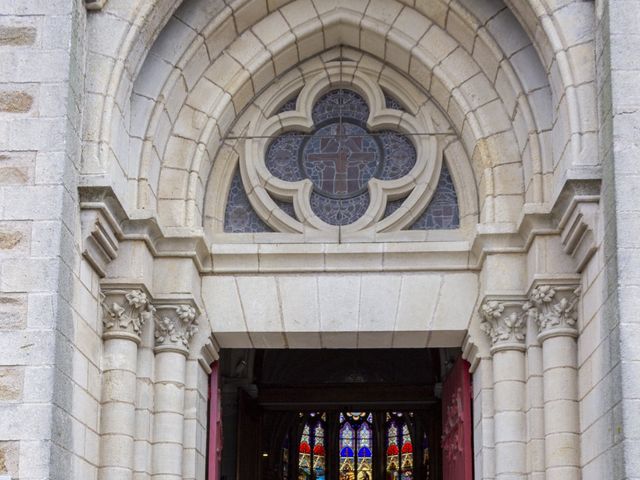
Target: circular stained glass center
x,y
340,158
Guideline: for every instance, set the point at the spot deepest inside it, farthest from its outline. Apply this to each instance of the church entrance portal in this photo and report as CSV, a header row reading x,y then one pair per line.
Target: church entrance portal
x,y
344,415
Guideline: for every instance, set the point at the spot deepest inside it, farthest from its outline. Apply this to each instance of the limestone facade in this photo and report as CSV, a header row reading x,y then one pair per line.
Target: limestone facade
x,y
120,124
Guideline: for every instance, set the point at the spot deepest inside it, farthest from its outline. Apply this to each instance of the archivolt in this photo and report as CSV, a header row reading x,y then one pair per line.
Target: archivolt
x,y
475,62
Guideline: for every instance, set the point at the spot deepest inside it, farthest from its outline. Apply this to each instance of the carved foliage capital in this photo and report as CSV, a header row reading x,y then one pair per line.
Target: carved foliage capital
x,y
124,312
555,309
504,323
175,326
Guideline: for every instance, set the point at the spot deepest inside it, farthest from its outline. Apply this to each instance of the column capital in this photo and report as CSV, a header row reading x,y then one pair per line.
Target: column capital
x,y
505,322
125,309
554,307
175,325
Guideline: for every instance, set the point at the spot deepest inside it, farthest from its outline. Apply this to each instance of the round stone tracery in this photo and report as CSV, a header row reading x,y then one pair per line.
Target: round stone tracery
x,y
340,156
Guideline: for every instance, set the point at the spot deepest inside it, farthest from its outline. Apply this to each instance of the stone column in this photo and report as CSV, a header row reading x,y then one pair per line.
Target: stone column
x,y
124,312
504,321
175,325
554,308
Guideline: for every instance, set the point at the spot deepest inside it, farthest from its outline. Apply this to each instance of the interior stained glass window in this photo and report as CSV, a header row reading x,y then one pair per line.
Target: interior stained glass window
x,y
344,445
312,449
356,446
399,455
340,156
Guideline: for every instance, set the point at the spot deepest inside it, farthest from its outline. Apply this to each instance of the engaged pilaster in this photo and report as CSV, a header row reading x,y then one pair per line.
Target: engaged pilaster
x,y
175,325
125,308
504,321
554,308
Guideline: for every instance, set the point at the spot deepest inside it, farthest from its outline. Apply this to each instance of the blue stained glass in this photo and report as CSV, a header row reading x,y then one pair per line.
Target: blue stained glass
x,y
340,103
392,102
399,155
281,157
288,106
239,215
443,212
339,212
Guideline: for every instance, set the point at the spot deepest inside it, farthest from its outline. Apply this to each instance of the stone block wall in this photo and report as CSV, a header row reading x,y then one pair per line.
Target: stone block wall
x,y
619,115
50,353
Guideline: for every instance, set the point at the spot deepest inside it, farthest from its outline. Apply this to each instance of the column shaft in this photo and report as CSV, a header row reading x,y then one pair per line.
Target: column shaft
x,y
117,425
168,420
509,415
561,417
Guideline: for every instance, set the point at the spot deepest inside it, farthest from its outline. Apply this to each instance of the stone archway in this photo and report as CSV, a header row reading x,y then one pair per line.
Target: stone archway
x,y
154,173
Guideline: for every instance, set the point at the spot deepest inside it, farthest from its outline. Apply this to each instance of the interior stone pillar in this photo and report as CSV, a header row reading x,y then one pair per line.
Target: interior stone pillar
x,y
125,310
555,309
504,321
175,325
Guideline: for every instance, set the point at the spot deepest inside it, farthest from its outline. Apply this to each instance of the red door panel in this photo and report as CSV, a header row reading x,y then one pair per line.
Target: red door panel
x,y
457,429
215,423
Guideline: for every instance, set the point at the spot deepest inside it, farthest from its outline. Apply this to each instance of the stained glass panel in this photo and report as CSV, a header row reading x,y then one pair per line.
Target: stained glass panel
x,y
312,449
356,446
442,212
340,157
399,444
289,105
391,102
239,215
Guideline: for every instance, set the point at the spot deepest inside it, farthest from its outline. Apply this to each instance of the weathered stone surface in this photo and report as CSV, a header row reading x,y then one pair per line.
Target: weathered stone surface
x,y
9,240
13,312
9,458
17,36
11,384
13,175
15,102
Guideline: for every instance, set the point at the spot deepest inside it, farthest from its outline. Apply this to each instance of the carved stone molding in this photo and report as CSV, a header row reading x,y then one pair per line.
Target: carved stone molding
x,y
554,308
125,309
175,325
505,322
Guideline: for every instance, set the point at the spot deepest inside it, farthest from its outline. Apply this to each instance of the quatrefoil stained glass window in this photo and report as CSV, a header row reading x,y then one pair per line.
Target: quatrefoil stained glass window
x,y
340,156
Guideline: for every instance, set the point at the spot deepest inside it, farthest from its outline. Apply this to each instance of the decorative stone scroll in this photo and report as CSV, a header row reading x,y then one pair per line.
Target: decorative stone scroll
x,y
124,312
175,325
504,321
554,308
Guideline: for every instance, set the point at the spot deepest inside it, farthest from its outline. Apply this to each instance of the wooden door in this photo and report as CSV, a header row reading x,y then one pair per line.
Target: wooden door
x,y
248,460
215,423
457,428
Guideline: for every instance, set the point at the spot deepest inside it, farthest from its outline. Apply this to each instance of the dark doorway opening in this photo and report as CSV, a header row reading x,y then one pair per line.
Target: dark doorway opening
x,y
367,414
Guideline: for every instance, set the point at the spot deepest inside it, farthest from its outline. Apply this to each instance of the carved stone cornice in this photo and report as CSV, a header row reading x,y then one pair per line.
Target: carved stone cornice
x,y
175,325
505,322
106,224
554,308
125,309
